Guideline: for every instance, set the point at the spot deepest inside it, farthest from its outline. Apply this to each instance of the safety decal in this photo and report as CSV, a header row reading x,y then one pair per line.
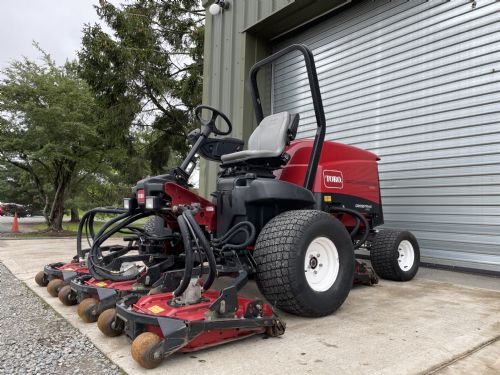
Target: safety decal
x,y
156,309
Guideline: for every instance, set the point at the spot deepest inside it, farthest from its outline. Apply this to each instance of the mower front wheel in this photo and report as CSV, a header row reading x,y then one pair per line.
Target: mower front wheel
x,y
110,324
88,310
146,350
395,255
41,278
54,286
67,296
305,262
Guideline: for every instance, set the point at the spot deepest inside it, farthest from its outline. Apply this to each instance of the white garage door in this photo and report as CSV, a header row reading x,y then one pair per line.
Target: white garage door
x,y
418,83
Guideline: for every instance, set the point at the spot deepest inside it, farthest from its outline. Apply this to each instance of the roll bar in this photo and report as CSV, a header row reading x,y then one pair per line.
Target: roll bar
x,y
316,97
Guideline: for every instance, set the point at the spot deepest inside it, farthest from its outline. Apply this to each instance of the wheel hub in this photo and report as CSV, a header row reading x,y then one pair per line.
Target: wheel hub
x,y
406,255
321,265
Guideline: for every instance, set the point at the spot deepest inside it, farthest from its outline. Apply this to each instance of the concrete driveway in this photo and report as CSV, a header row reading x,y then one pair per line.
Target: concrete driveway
x,y
424,326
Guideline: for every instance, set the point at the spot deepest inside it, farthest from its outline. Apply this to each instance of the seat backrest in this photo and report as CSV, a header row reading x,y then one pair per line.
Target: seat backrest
x,y
274,133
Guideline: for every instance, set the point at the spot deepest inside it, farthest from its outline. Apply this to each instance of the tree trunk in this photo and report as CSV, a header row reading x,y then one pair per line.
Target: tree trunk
x,y
57,212
75,216
63,179
46,209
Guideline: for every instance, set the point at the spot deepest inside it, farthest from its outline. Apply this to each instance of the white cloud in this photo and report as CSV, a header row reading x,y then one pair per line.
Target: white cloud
x,y
55,24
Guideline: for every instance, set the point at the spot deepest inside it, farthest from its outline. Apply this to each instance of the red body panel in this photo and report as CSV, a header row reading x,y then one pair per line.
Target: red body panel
x,y
117,285
151,305
157,305
179,196
74,267
342,169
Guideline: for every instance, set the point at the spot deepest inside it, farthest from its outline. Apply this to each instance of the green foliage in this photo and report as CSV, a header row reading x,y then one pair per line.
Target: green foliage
x,y
16,187
147,71
52,130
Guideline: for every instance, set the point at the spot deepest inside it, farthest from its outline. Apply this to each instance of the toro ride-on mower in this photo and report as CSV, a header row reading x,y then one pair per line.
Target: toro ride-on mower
x,y
289,213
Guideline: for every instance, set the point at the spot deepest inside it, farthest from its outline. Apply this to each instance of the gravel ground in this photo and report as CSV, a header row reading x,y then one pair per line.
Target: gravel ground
x,y
34,339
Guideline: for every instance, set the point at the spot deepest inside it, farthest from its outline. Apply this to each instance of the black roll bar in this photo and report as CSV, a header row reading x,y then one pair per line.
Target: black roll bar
x,y
316,98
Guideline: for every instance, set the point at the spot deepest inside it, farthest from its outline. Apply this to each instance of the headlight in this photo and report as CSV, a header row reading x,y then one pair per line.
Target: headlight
x,y
152,203
129,203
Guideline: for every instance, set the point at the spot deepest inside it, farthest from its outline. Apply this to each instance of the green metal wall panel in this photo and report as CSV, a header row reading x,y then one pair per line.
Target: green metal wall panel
x,y
229,54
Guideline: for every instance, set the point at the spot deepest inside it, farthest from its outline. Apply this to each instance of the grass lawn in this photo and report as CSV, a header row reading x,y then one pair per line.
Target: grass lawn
x,y
69,230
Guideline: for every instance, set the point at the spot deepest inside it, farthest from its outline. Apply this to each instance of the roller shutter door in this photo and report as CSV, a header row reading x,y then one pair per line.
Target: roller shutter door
x,y
418,83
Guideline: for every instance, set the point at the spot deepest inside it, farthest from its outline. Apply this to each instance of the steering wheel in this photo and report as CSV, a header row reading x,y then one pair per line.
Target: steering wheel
x,y
211,123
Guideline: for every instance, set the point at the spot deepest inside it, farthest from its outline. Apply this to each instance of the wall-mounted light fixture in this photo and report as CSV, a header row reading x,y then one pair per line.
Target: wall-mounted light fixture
x,y
217,7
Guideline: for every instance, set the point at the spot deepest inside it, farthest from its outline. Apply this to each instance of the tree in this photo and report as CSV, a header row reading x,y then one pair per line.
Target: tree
x,y
51,128
16,187
147,71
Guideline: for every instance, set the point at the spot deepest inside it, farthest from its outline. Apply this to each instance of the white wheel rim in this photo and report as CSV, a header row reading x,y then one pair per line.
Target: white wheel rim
x,y
321,264
406,256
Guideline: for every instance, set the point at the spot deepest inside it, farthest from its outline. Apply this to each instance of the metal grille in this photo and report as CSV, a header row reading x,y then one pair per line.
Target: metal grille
x,y
418,83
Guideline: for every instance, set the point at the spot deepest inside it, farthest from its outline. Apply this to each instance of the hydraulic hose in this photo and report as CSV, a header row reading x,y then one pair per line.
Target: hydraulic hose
x,y
87,222
212,264
188,269
96,269
355,214
241,227
356,227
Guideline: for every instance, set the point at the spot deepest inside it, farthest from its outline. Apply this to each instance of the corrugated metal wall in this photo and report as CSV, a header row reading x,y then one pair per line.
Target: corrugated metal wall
x,y
418,83
228,55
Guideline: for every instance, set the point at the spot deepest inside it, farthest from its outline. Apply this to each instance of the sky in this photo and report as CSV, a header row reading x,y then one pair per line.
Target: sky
x,y
55,24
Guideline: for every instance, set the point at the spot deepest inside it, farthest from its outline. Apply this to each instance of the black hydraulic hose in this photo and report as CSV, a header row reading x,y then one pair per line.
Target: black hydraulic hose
x,y
87,221
355,214
356,227
212,264
104,236
90,224
97,270
240,227
188,269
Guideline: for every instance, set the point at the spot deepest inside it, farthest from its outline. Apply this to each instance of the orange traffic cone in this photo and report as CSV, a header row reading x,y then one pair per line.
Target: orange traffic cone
x,y
15,224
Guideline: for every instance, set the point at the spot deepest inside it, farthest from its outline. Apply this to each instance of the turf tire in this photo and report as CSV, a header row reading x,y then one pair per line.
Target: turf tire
x,y
384,254
280,256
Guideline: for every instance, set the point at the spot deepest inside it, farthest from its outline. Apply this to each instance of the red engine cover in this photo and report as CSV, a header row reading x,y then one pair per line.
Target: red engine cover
x,y
342,169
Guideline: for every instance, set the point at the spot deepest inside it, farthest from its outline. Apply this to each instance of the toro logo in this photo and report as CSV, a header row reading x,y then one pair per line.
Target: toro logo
x,y
140,196
333,179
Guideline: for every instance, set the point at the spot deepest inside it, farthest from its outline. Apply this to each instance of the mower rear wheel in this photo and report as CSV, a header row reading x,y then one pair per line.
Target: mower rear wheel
x,y
146,350
67,296
54,286
305,262
110,324
41,279
395,255
88,310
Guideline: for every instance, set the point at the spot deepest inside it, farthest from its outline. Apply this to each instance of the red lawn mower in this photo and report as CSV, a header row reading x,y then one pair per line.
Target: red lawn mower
x,y
289,213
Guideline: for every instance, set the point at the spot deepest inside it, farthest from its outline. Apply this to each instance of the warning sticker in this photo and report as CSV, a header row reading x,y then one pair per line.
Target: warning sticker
x,y
156,309
101,283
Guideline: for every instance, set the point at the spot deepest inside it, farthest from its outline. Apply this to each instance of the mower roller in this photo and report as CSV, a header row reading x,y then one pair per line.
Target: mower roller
x,y
289,213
